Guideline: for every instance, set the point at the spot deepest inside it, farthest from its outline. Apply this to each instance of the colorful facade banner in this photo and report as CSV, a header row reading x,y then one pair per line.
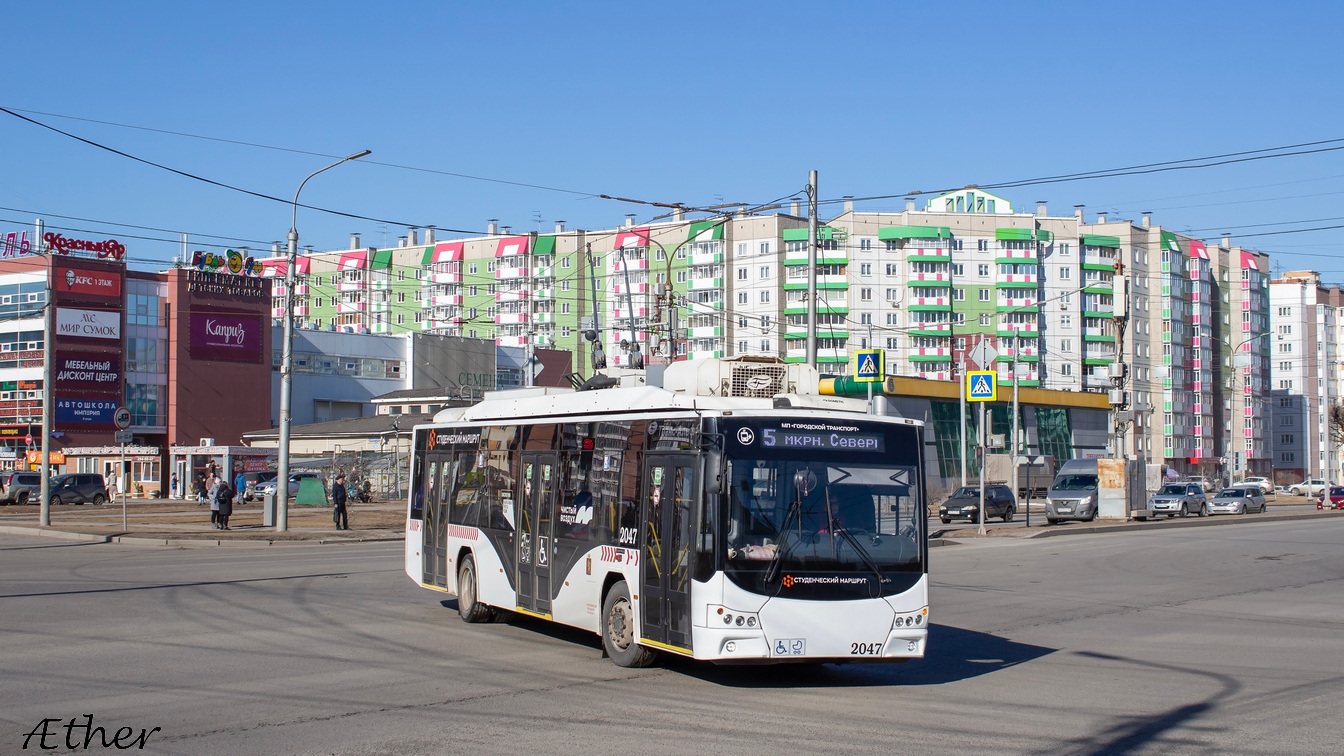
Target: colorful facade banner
x,y
229,261
511,245
91,282
87,324
635,237
85,413
225,336
84,372
357,260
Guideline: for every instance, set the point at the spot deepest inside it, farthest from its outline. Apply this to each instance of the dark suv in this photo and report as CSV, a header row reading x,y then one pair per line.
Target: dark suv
x,y
78,488
964,504
20,486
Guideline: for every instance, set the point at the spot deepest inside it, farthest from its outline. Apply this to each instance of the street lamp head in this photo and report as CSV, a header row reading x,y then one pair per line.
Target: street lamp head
x,y
360,154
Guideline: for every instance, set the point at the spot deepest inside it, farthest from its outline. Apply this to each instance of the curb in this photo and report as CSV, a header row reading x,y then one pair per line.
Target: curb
x,y
179,542
1197,522
57,534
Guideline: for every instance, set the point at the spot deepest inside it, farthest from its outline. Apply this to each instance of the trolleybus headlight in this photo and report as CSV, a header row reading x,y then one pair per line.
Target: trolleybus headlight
x,y
919,619
740,621
751,622
909,621
911,646
727,619
900,621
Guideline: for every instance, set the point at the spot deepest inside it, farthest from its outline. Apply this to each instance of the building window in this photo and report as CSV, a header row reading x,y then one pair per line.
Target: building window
x,y
1064,249
564,308
957,269
419,317
865,269
865,245
983,270
984,295
765,345
741,297
865,318
765,297
401,318
564,332
681,276
765,271
1066,345
984,319
866,294
959,295
741,274
764,248
564,286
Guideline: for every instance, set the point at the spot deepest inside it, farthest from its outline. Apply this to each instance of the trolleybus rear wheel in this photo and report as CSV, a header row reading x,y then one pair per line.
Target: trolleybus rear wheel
x,y
618,630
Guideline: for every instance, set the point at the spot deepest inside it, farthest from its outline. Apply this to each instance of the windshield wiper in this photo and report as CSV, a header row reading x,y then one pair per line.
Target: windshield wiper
x,y
866,557
780,550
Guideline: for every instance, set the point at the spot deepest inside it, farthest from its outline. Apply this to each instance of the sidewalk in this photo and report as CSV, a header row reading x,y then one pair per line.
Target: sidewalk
x,y
164,521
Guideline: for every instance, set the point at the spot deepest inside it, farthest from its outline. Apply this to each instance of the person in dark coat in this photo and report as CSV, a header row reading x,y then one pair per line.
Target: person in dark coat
x,y
338,497
223,499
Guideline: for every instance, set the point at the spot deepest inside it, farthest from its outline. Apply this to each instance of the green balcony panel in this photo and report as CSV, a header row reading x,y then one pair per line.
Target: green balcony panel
x,y
912,232
1029,309
1015,234
1110,339
930,308
824,232
929,357
1096,240
1100,266
929,284
715,228
1017,260
1017,284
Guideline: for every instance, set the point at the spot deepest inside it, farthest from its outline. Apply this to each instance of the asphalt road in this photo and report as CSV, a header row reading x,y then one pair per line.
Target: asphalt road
x,y
1222,640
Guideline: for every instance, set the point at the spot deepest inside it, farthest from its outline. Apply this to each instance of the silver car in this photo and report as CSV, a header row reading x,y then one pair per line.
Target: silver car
x,y
1180,499
1238,500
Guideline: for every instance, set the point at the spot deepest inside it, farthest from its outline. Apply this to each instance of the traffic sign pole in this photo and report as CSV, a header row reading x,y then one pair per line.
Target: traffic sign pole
x,y
122,419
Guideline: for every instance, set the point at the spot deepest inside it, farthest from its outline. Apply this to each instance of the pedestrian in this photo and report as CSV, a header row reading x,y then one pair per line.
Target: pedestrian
x,y
172,486
211,490
338,496
223,501
200,490
239,487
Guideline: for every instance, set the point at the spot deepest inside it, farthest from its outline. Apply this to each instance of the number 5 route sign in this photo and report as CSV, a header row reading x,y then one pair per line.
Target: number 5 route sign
x,y
981,386
868,367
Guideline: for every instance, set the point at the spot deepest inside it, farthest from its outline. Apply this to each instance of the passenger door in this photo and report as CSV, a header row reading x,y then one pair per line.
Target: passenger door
x,y
535,545
435,547
668,528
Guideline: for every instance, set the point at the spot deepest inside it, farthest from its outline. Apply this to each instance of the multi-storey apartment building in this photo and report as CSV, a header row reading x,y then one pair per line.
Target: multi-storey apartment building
x,y
1305,367
1063,302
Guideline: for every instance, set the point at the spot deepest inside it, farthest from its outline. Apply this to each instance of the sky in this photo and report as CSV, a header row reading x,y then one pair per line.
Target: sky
x,y
699,103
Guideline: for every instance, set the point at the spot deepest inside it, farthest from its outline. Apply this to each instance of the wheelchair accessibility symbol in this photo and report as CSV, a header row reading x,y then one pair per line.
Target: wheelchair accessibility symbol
x,y
789,647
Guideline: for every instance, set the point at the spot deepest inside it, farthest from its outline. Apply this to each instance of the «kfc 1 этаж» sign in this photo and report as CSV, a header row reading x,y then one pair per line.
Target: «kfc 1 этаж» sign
x,y
225,336
88,324
97,283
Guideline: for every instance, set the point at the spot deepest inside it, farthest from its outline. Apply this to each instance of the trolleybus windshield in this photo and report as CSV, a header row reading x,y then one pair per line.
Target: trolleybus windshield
x,y
824,510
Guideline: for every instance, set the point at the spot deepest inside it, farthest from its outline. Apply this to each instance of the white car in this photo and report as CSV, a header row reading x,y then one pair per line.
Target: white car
x,y
1263,483
1314,487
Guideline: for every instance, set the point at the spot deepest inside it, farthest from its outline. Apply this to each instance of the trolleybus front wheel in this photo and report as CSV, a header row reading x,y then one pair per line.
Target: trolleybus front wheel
x,y
618,630
468,607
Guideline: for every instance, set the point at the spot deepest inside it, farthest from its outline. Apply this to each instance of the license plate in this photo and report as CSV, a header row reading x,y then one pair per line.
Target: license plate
x,y
1064,510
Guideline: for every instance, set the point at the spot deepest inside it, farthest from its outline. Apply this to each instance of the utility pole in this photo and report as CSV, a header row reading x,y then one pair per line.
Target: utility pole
x,y
982,438
531,308
1015,445
961,385
49,333
812,268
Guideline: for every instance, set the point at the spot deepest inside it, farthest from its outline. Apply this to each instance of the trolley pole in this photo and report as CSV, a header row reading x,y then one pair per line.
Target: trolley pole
x,y
812,268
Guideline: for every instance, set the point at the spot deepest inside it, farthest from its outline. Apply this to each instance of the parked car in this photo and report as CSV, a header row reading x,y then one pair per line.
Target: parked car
x,y
1265,486
268,487
1208,486
1336,499
1314,487
1180,499
1238,500
20,486
1073,494
964,504
77,488
255,479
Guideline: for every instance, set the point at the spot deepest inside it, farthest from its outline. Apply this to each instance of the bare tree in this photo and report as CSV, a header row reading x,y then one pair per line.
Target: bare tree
x,y
1337,424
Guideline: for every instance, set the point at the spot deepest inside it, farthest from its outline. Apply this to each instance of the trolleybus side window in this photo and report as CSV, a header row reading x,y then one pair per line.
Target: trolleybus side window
x,y
466,480
498,497
417,480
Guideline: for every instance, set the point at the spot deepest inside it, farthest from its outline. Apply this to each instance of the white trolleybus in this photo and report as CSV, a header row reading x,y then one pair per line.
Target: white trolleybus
x,y
731,515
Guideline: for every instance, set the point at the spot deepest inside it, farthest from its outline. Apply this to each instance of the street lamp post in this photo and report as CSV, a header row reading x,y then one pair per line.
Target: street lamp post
x,y
287,365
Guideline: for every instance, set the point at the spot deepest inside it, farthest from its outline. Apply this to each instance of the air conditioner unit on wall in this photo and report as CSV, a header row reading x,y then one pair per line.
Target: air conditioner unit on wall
x,y
207,442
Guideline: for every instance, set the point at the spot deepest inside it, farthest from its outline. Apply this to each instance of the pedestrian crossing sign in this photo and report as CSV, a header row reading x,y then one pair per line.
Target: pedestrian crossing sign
x,y
981,386
868,367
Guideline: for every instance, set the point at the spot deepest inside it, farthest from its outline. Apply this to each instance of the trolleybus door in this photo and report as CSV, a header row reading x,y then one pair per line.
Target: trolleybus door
x,y
668,523
435,547
540,477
